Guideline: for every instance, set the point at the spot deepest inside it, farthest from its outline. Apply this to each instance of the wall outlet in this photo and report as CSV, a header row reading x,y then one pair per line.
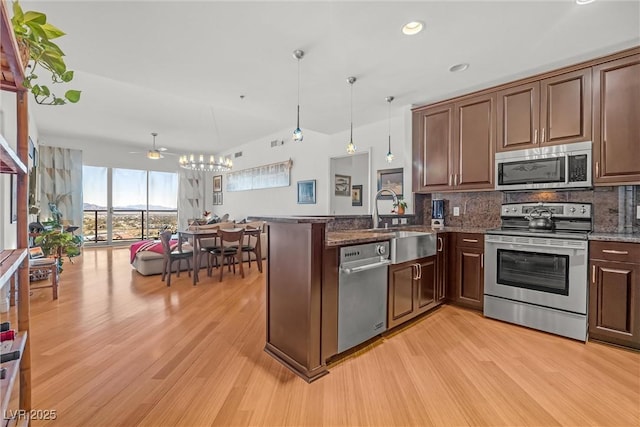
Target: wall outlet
x,y
394,221
456,211
637,212
403,220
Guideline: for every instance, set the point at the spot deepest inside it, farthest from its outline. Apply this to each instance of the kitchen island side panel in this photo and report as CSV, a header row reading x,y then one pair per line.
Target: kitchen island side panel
x,y
294,296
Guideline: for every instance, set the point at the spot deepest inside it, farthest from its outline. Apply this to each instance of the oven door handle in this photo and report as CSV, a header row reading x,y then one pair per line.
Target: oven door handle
x,y
352,270
528,246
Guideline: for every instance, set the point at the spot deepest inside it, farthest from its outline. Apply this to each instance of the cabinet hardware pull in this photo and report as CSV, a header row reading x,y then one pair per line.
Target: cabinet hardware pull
x,y
440,244
613,251
450,177
535,136
542,139
593,273
455,179
481,260
470,240
415,275
597,169
420,267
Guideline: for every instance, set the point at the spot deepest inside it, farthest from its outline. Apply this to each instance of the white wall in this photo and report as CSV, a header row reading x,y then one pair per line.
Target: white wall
x,y
310,161
9,129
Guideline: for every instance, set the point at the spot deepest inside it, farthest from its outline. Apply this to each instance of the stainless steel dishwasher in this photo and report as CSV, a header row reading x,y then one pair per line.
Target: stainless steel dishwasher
x,y
362,293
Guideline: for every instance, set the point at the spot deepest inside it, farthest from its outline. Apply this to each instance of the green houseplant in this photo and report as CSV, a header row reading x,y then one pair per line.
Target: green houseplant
x,y
400,206
34,35
57,243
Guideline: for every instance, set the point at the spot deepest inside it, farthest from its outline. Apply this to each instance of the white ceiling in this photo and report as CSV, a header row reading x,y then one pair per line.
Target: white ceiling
x,y
164,66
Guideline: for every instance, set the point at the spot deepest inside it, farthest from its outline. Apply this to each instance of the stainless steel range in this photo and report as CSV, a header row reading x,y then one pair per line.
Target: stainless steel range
x,y
536,269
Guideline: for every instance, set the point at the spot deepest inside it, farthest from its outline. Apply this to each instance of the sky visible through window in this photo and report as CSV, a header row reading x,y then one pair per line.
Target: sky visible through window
x,y
129,189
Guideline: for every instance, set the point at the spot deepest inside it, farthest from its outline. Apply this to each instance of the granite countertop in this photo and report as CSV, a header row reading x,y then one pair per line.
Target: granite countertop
x,y
292,219
354,237
616,237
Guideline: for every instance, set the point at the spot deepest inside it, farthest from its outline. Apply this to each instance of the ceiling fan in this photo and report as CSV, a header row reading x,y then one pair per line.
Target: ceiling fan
x,y
156,152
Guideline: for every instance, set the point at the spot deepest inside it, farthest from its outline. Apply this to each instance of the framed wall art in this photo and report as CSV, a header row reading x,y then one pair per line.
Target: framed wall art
x,y
217,183
391,179
342,185
356,195
307,192
217,198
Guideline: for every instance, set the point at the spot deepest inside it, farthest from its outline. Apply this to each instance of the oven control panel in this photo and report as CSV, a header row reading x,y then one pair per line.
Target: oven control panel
x,y
557,210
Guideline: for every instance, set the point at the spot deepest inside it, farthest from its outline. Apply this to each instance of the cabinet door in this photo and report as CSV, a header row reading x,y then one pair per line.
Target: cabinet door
x,y
616,128
474,142
518,117
426,284
401,298
614,303
470,277
441,268
432,156
565,108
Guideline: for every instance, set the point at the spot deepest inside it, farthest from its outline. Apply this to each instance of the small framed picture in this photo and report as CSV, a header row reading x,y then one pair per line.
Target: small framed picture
x,y
343,185
217,183
217,198
307,192
391,179
356,195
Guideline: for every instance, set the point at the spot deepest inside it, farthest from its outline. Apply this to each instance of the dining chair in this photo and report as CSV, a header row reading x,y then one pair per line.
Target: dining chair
x,y
231,252
172,255
253,248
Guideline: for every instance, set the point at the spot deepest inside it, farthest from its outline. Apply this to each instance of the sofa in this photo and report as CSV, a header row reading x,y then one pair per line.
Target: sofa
x,y
149,260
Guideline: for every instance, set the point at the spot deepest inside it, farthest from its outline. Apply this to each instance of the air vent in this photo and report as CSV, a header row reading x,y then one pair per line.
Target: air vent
x,y
277,142
238,154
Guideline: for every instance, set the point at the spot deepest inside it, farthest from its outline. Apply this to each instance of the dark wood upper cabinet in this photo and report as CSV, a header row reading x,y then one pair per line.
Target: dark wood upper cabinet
x,y
565,108
432,148
453,145
616,109
474,141
518,117
556,110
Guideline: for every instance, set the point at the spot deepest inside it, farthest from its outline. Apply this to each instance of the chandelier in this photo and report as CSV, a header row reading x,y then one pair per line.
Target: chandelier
x,y
200,162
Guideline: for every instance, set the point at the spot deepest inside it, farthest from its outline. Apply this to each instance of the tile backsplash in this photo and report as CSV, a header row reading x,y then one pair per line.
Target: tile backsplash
x,y
614,208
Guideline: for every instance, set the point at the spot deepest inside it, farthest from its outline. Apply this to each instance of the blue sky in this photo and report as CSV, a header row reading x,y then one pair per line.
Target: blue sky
x,y
129,187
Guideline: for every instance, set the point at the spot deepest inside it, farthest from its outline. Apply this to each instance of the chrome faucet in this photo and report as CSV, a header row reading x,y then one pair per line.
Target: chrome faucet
x,y
376,216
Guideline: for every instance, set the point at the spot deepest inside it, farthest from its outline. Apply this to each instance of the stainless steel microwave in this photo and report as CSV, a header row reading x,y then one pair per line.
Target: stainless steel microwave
x,y
545,168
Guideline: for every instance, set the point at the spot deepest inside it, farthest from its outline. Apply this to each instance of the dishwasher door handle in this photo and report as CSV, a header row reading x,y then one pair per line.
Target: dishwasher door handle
x,y
348,270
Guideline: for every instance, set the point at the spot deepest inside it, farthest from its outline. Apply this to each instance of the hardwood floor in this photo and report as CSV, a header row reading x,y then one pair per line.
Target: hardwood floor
x,y
119,349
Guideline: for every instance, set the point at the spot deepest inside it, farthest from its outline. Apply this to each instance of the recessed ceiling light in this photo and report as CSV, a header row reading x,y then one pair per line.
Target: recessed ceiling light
x,y
412,28
458,67
581,2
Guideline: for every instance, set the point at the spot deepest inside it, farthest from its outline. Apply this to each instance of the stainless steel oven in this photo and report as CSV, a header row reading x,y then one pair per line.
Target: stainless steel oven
x,y
539,279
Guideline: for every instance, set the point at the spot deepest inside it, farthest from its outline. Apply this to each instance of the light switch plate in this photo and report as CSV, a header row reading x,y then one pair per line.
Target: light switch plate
x,y
403,220
456,211
637,212
394,221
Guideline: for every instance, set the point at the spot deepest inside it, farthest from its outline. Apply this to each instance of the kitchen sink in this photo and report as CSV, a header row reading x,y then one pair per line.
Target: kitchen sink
x,y
410,245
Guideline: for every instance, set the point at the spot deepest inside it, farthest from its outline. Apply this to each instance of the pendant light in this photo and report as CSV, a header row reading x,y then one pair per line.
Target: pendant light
x,y
389,154
297,134
351,148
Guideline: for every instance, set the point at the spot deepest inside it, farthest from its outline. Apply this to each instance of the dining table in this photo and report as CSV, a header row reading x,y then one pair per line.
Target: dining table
x,y
196,235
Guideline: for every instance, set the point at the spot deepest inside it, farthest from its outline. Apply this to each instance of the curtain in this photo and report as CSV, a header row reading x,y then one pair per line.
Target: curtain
x,y
61,185
190,196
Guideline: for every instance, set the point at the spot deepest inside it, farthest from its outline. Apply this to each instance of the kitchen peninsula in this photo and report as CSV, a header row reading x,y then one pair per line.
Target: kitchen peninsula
x,y
302,287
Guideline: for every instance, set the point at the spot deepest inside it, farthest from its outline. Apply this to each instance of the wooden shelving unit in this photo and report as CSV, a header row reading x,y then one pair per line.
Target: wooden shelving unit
x,y
13,261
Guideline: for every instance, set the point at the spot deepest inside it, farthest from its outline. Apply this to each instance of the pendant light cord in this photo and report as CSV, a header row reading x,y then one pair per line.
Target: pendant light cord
x,y
351,114
298,122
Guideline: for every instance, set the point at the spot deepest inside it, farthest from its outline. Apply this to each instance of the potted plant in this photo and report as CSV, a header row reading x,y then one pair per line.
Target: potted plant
x,y
57,242
400,206
34,36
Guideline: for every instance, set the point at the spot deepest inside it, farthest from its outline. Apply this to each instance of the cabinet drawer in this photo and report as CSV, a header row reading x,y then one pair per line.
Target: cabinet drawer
x,y
615,251
470,240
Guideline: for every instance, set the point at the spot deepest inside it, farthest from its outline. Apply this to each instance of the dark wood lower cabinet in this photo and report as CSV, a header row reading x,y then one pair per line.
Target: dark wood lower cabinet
x,y
614,295
412,290
467,274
